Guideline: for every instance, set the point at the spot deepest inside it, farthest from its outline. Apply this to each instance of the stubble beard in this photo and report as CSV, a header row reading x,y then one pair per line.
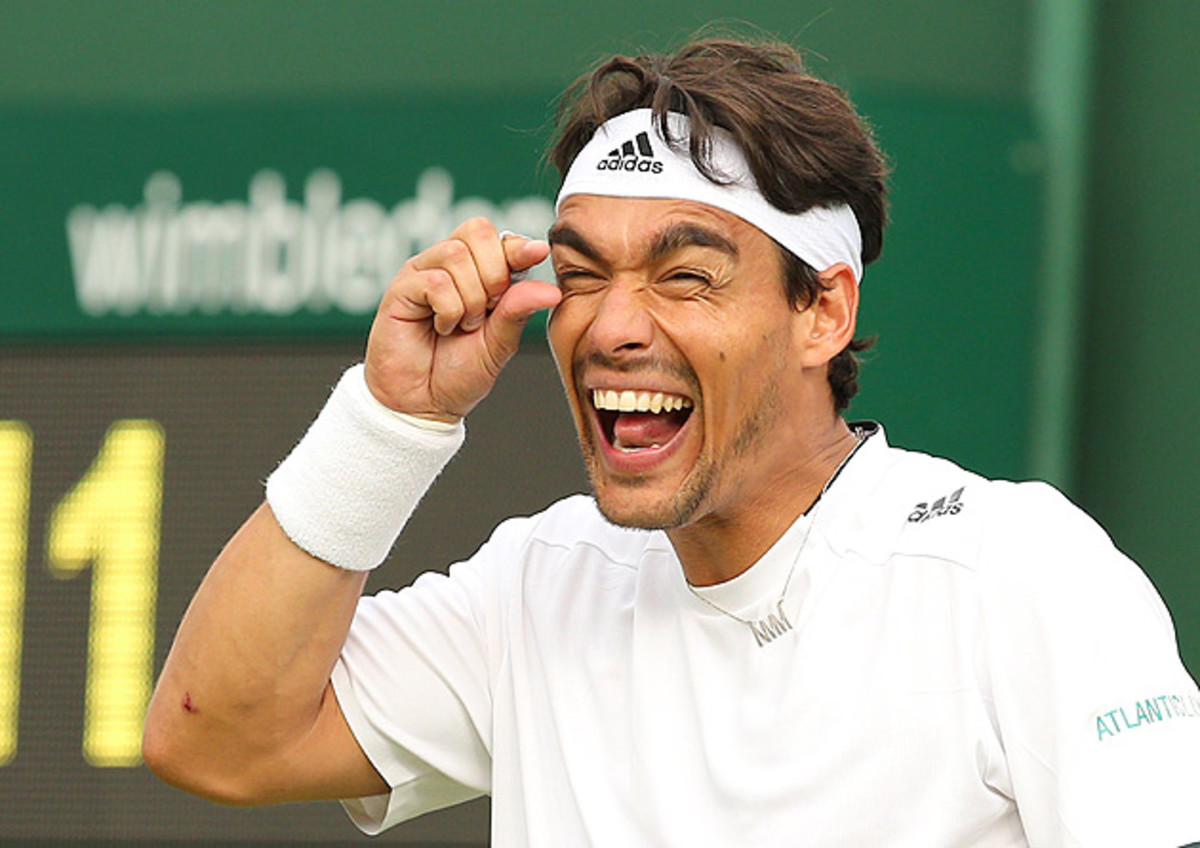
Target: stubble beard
x,y
667,514
681,508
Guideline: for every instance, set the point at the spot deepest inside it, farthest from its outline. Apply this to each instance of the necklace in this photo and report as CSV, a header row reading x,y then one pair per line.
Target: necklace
x,y
775,624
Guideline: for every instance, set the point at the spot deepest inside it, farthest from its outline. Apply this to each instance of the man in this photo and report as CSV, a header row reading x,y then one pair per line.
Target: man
x,y
766,627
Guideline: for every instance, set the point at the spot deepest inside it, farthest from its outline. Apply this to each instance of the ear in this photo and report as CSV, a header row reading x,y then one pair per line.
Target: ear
x,y
832,317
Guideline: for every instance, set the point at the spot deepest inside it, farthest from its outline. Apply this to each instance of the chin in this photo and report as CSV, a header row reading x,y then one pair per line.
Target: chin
x,y
637,519
640,505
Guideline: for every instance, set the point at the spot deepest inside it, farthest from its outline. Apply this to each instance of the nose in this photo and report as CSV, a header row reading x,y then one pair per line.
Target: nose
x,y
622,323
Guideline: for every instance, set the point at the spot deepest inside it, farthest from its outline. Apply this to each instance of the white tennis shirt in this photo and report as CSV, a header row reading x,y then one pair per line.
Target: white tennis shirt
x,y
958,662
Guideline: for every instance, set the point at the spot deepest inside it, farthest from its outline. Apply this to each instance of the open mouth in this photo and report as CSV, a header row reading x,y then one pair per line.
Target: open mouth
x,y
638,420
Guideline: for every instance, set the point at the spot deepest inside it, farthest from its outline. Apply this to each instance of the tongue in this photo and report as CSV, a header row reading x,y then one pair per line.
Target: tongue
x,y
644,429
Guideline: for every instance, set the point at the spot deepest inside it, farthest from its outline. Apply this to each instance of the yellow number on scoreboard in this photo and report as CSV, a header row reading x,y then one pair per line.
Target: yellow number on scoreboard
x,y
16,453
110,520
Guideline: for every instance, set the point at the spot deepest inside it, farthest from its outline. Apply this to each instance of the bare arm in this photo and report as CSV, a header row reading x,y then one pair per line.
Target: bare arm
x,y
243,712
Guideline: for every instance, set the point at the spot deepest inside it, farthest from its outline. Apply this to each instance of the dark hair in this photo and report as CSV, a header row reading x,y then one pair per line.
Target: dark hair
x,y
805,144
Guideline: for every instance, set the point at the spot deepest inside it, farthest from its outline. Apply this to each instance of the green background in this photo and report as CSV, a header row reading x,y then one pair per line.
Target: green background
x,y
1037,301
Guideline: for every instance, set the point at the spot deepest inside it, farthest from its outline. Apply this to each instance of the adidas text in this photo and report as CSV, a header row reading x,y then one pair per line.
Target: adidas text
x,y
636,154
643,165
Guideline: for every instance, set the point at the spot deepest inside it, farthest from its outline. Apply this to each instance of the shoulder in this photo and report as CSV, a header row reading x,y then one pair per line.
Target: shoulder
x,y
525,550
907,503
572,526
1025,544
1041,552
1043,573
925,506
1034,536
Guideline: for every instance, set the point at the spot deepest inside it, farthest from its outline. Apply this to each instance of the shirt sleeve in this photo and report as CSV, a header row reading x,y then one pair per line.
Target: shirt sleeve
x,y
414,682
1099,719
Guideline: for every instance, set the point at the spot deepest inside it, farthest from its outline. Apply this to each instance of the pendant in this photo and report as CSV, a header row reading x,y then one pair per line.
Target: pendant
x,y
770,628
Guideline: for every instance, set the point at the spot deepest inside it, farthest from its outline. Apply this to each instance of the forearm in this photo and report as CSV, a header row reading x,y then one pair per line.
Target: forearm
x,y
250,663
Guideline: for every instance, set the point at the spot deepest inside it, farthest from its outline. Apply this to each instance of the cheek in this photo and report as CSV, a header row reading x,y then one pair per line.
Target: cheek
x,y
564,331
740,368
563,337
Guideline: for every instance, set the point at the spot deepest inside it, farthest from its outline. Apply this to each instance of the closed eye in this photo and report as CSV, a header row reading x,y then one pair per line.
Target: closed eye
x,y
695,276
686,282
572,280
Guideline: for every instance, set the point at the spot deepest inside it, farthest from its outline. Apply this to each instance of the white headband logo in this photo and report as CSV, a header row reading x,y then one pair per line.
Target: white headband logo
x,y
628,158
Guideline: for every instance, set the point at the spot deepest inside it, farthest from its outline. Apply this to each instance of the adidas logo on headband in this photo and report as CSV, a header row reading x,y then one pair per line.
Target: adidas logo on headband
x,y
636,154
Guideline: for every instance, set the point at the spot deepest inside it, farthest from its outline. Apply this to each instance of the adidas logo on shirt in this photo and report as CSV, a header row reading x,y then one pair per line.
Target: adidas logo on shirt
x,y
636,154
950,505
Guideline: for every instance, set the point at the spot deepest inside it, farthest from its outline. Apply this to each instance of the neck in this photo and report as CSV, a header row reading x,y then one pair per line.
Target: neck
x,y
722,546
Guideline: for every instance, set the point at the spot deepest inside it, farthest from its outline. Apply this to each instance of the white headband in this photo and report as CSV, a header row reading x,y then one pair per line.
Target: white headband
x,y
628,158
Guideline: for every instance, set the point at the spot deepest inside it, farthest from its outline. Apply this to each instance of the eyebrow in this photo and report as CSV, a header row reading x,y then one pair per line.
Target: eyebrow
x,y
681,235
673,238
568,237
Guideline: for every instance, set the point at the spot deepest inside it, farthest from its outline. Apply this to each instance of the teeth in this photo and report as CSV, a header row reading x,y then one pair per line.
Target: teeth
x,y
617,444
634,401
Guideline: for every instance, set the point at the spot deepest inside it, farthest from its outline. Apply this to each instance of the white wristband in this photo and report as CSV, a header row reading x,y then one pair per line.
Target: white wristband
x,y
346,490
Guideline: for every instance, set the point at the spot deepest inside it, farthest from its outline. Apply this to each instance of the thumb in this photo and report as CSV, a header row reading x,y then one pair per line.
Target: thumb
x,y
502,332
523,252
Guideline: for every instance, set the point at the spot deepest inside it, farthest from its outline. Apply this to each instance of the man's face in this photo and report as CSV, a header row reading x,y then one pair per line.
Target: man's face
x,y
678,352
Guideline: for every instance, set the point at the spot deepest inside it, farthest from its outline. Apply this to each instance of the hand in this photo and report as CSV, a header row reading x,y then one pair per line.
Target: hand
x,y
451,319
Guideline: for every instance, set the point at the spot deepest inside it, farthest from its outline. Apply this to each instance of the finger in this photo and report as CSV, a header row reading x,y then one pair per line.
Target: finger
x,y
424,295
454,257
518,258
522,253
485,244
439,294
512,313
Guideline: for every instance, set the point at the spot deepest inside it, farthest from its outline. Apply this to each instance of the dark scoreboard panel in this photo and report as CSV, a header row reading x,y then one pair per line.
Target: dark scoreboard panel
x,y
122,471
